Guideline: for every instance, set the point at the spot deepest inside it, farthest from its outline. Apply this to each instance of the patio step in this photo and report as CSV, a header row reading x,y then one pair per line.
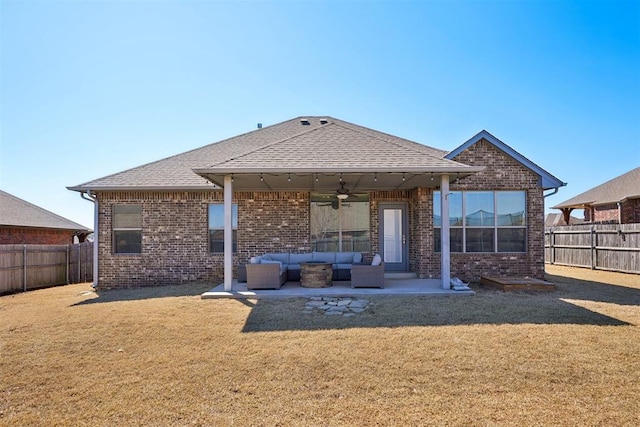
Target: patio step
x,y
400,275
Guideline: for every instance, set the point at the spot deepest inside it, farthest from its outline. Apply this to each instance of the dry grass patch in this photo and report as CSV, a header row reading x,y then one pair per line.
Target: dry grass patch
x,y
166,357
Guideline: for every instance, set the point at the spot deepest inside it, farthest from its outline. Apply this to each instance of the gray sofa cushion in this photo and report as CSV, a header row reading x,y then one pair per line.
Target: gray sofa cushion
x,y
324,257
347,257
283,257
298,258
341,262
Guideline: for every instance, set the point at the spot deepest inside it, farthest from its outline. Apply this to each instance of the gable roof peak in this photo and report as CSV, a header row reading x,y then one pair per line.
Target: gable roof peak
x,y
547,181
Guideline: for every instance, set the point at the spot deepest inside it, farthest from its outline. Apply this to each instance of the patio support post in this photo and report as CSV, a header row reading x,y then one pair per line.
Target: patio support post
x,y
228,233
445,248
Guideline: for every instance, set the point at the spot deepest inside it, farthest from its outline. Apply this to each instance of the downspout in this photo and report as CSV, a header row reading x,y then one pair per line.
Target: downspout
x,y
92,198
565,215
619,213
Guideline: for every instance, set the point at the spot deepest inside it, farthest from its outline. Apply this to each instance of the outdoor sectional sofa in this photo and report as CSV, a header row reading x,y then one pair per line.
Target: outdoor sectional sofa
x,y
272,270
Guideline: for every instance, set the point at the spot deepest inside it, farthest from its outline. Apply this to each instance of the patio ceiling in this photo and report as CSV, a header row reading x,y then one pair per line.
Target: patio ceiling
x,y
321,180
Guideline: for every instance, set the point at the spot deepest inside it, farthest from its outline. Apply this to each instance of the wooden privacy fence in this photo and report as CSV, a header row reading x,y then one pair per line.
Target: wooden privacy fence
x,y
25,267
614,247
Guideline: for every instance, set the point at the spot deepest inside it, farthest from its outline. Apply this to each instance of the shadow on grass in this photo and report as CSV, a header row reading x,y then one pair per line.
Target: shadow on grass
x,y
569,287
488,307
136,294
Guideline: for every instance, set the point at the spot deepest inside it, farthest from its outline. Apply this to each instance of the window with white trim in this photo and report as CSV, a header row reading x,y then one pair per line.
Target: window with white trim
x,y
483,221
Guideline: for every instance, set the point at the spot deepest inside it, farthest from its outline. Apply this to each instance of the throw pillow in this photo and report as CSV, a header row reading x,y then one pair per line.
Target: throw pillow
x,y
377,260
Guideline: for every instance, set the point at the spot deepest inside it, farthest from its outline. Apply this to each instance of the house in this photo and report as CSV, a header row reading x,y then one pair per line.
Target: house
x,y
616,201
24,223
196,216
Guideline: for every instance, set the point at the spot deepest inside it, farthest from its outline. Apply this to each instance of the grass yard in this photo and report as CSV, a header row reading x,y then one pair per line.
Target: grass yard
x,y
69,356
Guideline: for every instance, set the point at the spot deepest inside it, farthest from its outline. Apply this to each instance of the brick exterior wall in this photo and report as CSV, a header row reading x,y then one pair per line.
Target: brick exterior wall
x,y
610,214
35,236
175,245
631,211
502,173
175,235
273,222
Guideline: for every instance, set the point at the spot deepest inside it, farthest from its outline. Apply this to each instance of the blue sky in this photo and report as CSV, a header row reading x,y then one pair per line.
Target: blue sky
x,y
93,88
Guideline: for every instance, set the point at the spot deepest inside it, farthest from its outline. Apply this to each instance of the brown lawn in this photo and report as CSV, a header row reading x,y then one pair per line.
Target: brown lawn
x,y
165,357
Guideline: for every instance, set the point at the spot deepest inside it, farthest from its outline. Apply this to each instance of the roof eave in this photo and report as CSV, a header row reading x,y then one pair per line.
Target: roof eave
x,y
583,204
435,170
80,228
83,189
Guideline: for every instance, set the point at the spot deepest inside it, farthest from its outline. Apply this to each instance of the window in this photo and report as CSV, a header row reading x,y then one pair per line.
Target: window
x,y
333,222
483,221
216,227
127,229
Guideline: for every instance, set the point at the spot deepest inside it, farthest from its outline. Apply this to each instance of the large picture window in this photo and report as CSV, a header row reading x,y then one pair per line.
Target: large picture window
x,y
216,227
340,225
483,221
127,229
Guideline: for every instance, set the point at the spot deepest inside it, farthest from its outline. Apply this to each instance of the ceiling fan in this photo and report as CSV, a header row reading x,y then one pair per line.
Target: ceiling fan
x,y
342,193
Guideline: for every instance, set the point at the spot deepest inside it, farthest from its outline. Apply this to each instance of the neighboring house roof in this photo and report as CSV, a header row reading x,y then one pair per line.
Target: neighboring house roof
x,y
304,144
557,219
626,186
547,180
16,212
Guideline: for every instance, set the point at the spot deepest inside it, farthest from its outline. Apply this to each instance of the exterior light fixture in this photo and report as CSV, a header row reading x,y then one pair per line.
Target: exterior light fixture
x,y
289,178
342,196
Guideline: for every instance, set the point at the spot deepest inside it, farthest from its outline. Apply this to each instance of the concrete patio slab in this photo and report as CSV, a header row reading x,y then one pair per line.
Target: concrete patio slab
x,y
424,287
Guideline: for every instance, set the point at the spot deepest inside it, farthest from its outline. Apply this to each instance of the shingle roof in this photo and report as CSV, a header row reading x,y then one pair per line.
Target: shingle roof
x,y
323,143
626,186
557,219
338,146
20,213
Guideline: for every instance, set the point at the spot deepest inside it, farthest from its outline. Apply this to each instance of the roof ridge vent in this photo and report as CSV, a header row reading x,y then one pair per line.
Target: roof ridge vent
x,y
324,121
305,122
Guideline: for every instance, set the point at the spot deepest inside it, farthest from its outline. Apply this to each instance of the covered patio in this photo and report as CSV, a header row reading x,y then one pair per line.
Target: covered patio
x,y
393,285
318,160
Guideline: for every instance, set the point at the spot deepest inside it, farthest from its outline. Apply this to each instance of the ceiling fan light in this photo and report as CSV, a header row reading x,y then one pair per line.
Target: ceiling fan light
x,y
342,196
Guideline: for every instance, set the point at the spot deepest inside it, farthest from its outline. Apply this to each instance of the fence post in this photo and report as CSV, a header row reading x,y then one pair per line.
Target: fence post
x,y
594,243
24,267
79,264
68,262
552,238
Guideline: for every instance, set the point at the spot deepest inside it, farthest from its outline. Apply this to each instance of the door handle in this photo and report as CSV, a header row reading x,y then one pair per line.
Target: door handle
x,y
404,239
